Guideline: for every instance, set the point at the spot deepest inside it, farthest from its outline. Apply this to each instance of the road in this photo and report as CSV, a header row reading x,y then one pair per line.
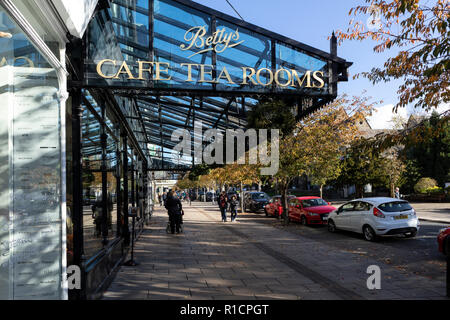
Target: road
x,y
417,255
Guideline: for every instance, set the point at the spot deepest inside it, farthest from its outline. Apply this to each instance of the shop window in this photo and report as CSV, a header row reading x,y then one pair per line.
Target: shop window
x,y
30,170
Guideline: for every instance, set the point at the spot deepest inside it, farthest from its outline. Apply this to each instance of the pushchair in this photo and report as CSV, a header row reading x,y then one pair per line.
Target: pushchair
x,y
181,224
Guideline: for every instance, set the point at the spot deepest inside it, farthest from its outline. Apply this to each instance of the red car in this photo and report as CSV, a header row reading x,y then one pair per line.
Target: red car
x,y
274,207
309,210
444,240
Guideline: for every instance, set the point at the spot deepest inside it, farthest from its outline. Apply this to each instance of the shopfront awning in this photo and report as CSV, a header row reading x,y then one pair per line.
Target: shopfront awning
x,y
169,63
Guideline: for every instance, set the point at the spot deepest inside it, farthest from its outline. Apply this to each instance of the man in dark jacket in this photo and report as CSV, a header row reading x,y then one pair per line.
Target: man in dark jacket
x,y
223,204
175,209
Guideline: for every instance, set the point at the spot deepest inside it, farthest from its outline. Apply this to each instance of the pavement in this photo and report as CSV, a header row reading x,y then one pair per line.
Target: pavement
x,y
249,260
434,212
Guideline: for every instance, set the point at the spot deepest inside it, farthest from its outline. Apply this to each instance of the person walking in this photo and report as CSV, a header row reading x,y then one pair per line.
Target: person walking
x,y
223,204
175,211
164,198
234,205
397,193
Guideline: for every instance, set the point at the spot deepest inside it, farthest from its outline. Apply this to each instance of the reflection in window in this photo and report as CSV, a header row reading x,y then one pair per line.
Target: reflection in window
x,y
92,183
30,180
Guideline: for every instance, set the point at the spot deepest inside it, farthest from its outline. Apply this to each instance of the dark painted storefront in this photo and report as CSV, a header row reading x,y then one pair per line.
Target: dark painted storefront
x,y
143,69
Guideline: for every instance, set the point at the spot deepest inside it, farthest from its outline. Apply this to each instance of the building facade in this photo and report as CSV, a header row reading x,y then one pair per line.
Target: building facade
x,y
91,94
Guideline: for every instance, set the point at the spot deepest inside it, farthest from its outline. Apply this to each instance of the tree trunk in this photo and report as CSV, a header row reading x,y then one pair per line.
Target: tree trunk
x,y
241,198
283,191
321,190
359,191
259,186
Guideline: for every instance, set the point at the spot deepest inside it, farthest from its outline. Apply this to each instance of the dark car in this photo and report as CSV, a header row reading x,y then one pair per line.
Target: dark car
x,y
255,201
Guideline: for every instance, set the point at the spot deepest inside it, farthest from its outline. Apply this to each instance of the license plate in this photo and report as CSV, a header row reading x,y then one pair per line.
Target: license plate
x,y
401,217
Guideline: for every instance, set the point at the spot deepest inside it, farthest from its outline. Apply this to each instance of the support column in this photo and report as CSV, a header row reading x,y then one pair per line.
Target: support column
x,y
118,189
105,207
145,203
133,181
125,230
77,214
333,66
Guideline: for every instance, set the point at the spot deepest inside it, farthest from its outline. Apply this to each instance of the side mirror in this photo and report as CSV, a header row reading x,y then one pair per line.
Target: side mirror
x,y
329,203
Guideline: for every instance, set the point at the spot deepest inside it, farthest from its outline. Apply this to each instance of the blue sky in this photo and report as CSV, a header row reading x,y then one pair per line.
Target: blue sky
x,y
312,22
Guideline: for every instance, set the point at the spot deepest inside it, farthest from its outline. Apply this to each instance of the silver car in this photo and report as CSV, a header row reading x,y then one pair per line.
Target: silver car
x,y
375,217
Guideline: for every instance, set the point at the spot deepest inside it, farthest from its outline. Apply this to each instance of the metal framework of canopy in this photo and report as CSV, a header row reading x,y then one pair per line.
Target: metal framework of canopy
x,y
153,30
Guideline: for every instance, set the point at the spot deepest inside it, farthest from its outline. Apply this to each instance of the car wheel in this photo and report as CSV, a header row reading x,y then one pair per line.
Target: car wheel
x,y
331,226
411,234
369,234
303,221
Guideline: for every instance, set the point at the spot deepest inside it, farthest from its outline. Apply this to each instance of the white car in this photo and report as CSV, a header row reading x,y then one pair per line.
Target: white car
x,y
375,217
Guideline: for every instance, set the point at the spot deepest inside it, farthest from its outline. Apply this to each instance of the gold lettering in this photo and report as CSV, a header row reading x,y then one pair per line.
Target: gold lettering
x,y
189,65
277,77
320,80
246,77
300,82
196,33
209,40
203,72
258,77
226,74
141,69
99,68
127,71
219,41
160,70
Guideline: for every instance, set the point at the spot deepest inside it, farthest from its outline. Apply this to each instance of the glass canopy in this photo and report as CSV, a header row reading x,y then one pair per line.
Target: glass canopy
x,y
175,62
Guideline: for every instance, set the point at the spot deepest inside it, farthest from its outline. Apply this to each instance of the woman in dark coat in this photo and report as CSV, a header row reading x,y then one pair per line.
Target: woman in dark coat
x,y
234,205
223,205
175,209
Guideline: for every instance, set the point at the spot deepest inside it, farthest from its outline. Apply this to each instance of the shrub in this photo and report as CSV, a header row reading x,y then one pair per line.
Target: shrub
x,y
424,184
434,190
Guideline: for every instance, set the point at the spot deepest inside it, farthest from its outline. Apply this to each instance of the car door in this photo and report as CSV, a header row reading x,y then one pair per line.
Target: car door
x,y
356,216
297,210
272,206
342,218
291,208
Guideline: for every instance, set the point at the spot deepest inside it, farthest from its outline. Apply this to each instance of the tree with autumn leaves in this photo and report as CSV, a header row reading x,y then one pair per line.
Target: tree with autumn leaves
x,y
317,144
420,30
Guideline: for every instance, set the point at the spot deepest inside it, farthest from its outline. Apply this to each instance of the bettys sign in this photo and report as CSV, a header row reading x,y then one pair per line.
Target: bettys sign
x,y
219,41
